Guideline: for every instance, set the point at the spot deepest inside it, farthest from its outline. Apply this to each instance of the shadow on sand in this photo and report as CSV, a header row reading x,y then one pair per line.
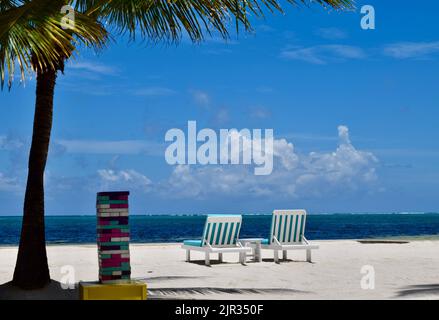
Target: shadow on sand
x,y
212,262
53,291
177,293
217,262
165,278
430,291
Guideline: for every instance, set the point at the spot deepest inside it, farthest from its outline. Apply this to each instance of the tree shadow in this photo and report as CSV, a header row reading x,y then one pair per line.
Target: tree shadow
x,y
212,262
166,278
383,241
188,293
419,291
53,291
281,261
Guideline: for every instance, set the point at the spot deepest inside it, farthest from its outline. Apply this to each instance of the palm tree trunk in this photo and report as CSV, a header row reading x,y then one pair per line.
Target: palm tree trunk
x,y
31,269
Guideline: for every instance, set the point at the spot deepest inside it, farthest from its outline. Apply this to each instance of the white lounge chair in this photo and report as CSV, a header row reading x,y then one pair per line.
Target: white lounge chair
x,y
288,233
221,233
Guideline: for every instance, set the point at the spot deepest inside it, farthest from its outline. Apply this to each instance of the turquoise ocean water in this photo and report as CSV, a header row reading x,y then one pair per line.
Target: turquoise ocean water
x,y
166,228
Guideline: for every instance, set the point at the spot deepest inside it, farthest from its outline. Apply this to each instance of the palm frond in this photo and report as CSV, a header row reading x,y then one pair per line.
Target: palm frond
x,y
167,20
32,37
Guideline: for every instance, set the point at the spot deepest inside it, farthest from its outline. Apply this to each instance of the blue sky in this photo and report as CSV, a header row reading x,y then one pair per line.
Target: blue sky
x,y
355,114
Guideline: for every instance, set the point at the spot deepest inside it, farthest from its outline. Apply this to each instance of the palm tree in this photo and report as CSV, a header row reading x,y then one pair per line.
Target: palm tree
x,y
34,39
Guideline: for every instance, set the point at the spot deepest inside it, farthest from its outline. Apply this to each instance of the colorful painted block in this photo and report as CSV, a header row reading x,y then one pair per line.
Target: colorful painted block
x,y
113,236
110,210
122,252
112,227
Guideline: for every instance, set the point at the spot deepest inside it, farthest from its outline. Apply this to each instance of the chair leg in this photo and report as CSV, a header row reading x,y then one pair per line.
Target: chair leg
x,y
284,255
188,255
220,257
258,252
207,260
308,256
242,258
276,256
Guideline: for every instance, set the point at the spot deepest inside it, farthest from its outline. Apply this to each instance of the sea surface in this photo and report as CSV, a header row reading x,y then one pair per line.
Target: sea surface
x,y
166,228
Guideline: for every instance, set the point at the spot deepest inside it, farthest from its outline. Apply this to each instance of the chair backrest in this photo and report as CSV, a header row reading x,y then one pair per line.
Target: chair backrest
x,y
288,226
222,230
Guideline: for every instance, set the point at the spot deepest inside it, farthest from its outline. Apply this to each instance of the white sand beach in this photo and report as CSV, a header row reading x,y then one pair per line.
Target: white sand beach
x,y
402,271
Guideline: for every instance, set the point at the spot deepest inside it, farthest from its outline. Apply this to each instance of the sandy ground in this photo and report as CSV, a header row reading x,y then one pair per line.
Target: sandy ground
x,y
402,271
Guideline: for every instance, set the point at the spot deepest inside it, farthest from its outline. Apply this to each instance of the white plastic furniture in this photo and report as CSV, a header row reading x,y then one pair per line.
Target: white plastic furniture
x,y
255,244
288,233
221,233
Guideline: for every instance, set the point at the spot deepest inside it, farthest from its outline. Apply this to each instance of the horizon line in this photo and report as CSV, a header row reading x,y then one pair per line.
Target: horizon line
x,y
243,214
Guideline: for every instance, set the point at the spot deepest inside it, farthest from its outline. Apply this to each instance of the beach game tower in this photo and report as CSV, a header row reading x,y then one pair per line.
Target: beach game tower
x,y
113,240
113,237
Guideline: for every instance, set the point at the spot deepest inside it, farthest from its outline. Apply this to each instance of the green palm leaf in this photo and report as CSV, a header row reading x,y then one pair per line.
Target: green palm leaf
x,y
166,19
31,34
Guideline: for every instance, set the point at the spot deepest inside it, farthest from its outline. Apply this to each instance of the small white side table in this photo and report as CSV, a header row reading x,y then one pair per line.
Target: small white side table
x,y
255,244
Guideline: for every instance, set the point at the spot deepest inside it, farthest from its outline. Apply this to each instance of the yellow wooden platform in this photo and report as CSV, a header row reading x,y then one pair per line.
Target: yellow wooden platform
x,y
134,290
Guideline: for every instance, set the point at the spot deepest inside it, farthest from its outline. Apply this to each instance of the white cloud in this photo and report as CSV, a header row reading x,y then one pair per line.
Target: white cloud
x,y
187,182
11,143
265,28
260,113
407,50
8,184
59,183
111,147
284,151
295,176
309,137
221,116
343,134
317,175
93,67
102,89
324,54
331,33
201,98
124,179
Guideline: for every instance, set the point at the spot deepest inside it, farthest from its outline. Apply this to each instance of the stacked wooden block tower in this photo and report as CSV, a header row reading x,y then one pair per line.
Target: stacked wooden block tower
x,y
113,237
